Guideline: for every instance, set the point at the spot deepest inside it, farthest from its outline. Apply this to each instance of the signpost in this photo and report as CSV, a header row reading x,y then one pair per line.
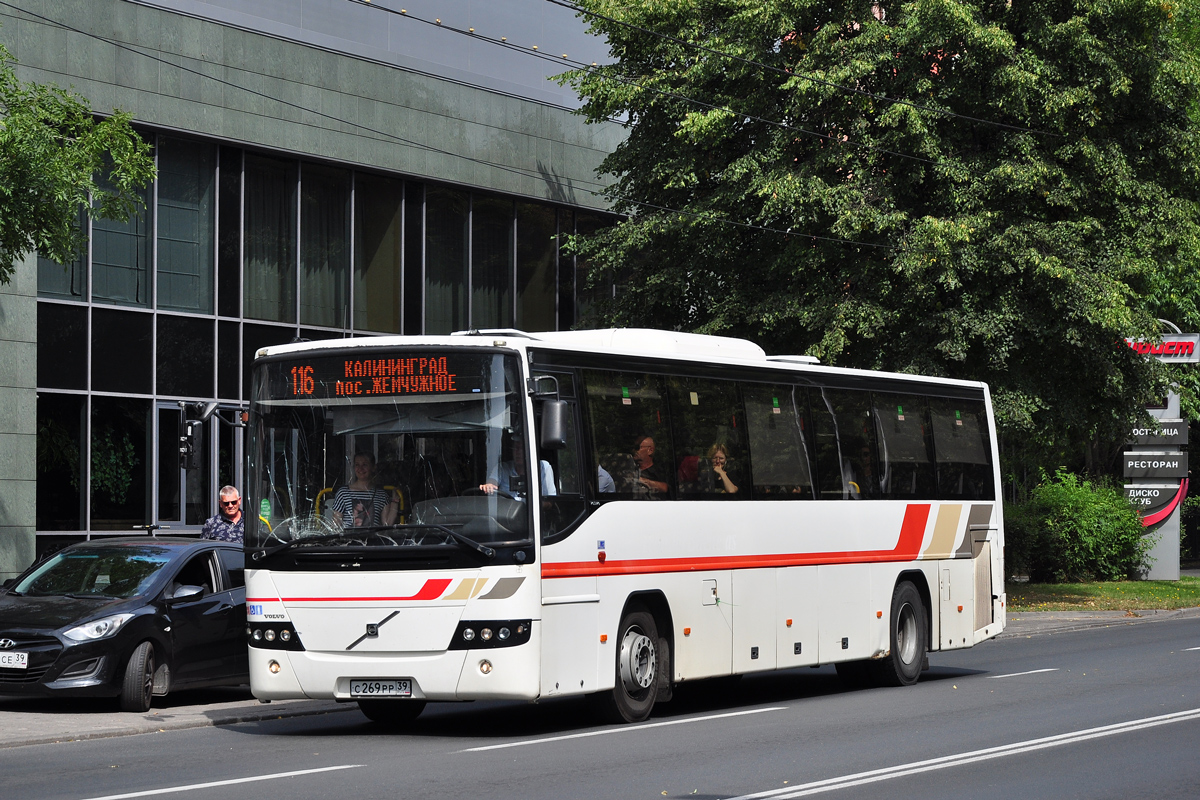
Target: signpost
x,y
1156,463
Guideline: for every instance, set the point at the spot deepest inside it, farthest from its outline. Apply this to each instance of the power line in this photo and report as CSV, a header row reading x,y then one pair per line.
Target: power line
x,y
515,170
595,70
790,74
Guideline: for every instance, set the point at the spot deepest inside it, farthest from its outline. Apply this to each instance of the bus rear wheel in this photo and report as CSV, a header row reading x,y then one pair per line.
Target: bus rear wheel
x,y
637,657
393,713
908,637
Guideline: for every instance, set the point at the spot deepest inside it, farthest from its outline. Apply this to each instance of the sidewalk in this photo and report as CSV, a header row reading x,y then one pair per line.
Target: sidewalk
x,y
1041,623
39,721
34,721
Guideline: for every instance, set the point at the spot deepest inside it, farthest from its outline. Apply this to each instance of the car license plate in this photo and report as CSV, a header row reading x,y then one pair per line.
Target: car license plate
x,y
380,688
13,660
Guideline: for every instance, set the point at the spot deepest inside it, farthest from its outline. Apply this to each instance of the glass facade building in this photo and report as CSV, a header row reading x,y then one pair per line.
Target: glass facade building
x,y
319,176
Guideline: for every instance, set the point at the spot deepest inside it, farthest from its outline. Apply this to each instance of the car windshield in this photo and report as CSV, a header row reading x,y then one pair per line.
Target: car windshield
x,y
392,448
122,571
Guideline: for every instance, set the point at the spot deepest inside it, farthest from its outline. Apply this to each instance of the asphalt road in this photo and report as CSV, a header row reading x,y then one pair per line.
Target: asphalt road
x,y
1103,712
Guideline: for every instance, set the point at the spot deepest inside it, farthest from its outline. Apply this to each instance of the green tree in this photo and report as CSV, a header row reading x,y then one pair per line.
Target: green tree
x,y
996,191
55,158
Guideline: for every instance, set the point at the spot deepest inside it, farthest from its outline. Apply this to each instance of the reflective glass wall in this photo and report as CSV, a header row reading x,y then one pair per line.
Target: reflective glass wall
x,y
237,250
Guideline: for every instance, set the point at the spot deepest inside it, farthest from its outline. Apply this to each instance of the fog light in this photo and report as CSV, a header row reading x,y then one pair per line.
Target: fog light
x,y
520,629
249,630
273,666
285,635
468,634
485,667
257,635
485,634
503,633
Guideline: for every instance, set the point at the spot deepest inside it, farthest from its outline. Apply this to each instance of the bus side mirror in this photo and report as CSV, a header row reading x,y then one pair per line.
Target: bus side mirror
x,y
554,425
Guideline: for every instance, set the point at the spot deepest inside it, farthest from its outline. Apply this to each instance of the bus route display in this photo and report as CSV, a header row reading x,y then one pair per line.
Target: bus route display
x,y
379,377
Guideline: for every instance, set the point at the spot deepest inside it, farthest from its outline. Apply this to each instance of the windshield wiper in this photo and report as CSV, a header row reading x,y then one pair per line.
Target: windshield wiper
x,y
451,535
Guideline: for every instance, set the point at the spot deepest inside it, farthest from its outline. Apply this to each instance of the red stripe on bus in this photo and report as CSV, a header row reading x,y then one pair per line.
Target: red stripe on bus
x,y
908,545
432,590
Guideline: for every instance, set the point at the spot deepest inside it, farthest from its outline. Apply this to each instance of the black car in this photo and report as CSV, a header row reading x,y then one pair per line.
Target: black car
x,y
128,617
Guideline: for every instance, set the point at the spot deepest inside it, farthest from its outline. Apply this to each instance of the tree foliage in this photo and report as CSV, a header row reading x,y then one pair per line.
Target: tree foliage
x,y
997,191
55,158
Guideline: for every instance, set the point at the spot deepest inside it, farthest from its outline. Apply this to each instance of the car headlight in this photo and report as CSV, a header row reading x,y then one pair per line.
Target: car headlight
x,y
98,628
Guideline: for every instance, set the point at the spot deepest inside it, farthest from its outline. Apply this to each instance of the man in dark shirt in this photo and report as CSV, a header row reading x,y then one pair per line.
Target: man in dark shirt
x,y
226,525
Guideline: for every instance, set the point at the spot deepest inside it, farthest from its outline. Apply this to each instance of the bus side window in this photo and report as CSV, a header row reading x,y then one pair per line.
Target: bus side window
x,y
779,452
960,442
708,431
845,444
905,447
626,409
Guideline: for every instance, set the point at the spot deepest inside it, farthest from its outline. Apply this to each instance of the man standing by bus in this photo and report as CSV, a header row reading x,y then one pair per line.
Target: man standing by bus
x,y
227,524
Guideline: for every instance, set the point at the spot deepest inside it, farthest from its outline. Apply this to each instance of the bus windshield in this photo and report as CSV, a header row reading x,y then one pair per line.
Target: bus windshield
x,y
388,449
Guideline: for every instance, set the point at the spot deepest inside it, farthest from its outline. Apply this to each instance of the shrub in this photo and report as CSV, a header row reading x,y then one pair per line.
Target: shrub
x,y
1074,530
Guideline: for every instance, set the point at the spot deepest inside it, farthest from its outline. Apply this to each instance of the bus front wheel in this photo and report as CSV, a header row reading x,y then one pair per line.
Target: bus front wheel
x,y
909,639
637,661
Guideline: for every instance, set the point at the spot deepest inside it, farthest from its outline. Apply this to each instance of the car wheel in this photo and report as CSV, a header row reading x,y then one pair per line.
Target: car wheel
x,y
632,698
138,687
393,713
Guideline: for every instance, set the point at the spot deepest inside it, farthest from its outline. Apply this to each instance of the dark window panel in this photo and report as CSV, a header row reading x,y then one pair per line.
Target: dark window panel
x,y
446,277
845,445
566,271
708,433
65,282
378,229
229,353
186,225
255,337
61,454
121,256
62,346
591,294
170,428
229,262
122,351
537,248
185,356
270,230
119,458
414,258
491,262
779,448
626,410
324,245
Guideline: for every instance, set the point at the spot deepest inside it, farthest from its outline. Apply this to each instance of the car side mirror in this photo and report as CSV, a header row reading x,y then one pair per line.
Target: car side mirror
x,y
186,592
554,425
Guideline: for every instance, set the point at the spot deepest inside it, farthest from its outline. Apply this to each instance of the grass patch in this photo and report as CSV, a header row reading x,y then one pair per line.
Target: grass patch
x,y
1105,596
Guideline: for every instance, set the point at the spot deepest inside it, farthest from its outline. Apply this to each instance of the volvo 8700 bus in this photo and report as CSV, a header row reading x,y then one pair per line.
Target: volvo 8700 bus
x,y
509,515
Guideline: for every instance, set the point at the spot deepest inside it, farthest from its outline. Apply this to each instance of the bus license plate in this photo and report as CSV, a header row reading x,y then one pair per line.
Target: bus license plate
x,y
14,660
381,688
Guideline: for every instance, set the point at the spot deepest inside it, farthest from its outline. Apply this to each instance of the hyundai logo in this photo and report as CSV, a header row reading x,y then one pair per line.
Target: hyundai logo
x,y
7,644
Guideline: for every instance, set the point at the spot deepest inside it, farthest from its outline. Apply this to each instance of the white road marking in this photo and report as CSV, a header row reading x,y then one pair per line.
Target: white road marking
x,y
231,782
1191,648
1030,672
917,767
622,729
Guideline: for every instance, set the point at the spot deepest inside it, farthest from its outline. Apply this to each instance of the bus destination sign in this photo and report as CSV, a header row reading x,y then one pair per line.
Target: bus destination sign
x,y
361,377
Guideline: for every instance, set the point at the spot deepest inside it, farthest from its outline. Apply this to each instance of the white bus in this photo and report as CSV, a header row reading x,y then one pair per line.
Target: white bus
x,y
700,509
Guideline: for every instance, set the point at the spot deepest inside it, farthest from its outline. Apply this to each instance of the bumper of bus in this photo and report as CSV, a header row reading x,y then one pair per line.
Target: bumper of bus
x,y
500,673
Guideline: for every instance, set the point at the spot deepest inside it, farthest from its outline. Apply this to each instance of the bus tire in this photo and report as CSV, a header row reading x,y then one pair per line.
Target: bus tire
x,y
637,659
908,637
393,713
138,686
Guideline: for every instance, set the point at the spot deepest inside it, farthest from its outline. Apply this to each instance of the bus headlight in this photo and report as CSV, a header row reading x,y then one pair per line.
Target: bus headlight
x,y
487,634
